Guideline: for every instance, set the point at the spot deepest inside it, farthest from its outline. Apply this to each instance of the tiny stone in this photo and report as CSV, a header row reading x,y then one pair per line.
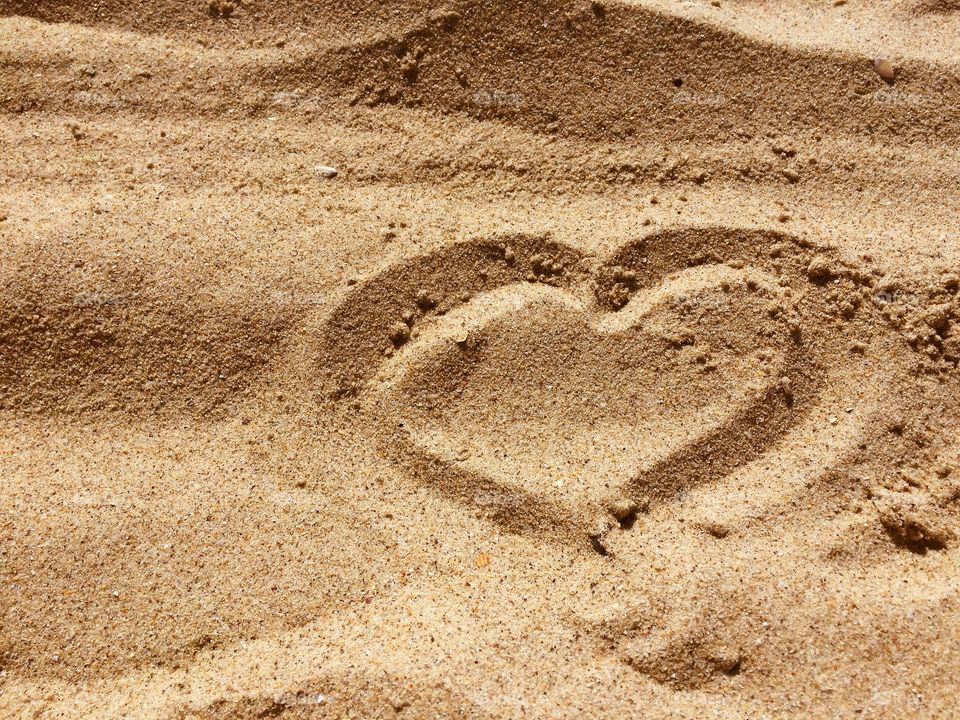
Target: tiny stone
x,y
784,149
884,68
425,300
716,529
820,269
399,333
938,316
791,175
622,509
447,19
726,659
326,171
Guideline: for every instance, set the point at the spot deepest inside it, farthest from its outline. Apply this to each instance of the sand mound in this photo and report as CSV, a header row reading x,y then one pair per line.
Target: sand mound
x,y
489,359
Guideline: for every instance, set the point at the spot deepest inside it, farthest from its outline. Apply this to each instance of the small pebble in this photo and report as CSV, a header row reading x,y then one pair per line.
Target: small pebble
x,y
622,509
726,659
820,269
425,300
446,18
399,333
326,171
716,529
884,68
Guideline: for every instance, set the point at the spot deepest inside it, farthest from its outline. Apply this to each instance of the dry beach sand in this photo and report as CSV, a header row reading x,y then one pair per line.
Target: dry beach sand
x,y
488,360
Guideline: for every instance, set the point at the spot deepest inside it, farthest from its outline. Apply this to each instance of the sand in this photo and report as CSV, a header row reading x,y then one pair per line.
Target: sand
x,y
488,360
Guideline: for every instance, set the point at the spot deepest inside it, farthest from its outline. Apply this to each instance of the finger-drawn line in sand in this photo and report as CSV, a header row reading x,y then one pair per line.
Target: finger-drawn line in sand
x,y
683,356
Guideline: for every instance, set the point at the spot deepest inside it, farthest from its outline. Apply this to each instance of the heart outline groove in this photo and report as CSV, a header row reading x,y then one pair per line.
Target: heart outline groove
x,y
355,348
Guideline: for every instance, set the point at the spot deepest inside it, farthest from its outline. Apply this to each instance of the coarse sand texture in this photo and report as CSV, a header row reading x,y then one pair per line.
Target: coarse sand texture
x,y
530,359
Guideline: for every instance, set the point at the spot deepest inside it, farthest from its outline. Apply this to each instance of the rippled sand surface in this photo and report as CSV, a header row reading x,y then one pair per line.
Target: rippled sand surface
x,y
487,360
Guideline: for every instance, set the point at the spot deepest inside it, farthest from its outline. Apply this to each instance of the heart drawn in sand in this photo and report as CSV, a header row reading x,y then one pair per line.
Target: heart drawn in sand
x,y
553,390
